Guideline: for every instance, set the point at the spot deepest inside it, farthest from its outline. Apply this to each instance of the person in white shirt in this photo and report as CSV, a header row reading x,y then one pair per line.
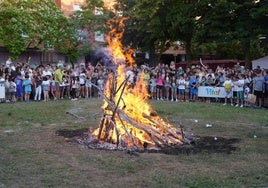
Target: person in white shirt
x,y
46,72
228,85
240,90
181,83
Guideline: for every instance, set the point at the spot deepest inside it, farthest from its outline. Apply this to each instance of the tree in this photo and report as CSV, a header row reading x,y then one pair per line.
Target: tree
x,y
234,20
155,25
82,27
31,23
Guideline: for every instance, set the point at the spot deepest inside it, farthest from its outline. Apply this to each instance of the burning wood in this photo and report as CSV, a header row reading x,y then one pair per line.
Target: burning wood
x,y
128,121
126,126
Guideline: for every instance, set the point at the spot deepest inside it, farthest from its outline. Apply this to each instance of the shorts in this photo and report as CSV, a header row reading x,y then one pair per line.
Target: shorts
x,y
181,91
229,94
159,87
234,94
193,91
258,94
57,86
45,87
152,89
88,84
174,89
82,85
240,95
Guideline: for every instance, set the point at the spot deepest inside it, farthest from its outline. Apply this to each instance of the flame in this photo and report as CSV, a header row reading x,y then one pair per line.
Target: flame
x,y
139,121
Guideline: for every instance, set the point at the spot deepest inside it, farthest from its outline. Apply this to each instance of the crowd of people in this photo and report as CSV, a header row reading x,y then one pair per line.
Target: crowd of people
x,y
165,82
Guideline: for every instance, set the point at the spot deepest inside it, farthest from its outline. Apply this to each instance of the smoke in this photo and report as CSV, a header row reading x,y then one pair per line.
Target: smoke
x,y
104,57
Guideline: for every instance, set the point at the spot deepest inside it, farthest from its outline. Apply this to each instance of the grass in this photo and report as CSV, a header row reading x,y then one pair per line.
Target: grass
x,y
32,155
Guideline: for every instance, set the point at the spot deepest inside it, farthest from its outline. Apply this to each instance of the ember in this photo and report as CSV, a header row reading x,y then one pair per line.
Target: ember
x,y
128,121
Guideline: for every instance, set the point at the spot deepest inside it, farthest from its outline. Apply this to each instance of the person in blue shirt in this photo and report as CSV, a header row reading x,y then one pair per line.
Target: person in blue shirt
x,y
193,87
27,84
19,86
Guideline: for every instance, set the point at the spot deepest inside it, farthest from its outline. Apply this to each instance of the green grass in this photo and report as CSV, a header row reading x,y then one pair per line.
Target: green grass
x,y
32,155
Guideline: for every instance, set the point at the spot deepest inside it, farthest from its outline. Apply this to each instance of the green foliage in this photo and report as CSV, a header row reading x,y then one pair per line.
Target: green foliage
x,y
75,45
31,23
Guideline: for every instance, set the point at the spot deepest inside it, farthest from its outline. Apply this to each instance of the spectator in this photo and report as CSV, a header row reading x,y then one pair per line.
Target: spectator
x,y
173,89
153,86
19,86
12,90
240,90
193,87
46,87
27,84
258,87
38,87
181,83
228,85
159,85
167,86
58,79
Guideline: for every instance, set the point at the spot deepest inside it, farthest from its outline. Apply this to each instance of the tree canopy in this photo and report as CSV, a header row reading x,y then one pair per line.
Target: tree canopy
x,y
31,23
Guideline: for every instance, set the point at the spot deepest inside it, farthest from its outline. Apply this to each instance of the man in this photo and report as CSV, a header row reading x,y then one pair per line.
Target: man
x,y
258,87
58,74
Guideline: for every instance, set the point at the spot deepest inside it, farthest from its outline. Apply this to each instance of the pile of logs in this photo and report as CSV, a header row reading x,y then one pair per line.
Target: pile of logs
x,y
117,130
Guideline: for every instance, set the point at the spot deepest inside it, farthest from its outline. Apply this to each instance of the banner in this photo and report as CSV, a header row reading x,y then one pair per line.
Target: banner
x,y
212,92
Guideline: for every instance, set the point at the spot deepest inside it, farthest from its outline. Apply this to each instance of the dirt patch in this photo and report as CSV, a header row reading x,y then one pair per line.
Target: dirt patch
x,y
67,133
206,144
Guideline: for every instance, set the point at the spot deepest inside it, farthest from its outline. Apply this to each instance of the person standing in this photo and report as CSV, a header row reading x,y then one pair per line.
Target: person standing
x,y
266,85
27,84
228,85
258,87
193,87
38,87
240,90
181,83
19,86
58,74
174,89
46,87
12,90
82,82
159,86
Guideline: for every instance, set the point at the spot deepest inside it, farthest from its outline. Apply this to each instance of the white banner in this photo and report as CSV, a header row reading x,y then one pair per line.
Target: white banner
x,y
2,90
214,92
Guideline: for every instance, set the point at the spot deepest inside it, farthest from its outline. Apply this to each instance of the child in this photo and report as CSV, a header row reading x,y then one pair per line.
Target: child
x,y
173,89
193,87
167,86
153,87
27,83
159,86
46,87
202,82
12,90
228,85
187,89
181,88
246,92
100,83
75,88
88,86
240,90
38,89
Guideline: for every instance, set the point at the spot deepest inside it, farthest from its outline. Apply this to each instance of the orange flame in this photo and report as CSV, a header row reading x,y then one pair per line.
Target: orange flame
x,y
130,100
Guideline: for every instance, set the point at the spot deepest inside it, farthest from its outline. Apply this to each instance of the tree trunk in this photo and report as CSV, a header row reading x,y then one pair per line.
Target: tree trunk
x,y
188,49
247,54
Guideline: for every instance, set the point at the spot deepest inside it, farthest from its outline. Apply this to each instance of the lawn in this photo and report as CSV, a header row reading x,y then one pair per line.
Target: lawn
x,y
33,155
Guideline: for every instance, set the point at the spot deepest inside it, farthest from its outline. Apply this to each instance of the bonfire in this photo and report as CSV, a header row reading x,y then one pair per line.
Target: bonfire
x,y
128,121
